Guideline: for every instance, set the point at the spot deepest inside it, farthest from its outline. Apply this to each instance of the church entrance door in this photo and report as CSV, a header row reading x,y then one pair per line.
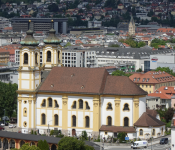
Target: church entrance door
x,y
73,132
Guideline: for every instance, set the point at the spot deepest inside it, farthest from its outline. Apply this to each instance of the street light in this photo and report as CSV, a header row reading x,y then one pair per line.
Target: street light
x,y
48,125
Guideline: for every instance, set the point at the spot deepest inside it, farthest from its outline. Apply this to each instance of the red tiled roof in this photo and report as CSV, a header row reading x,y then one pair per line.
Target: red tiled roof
x,y
161,95
8,28
89,81
117,129
147,120
126,45
152,77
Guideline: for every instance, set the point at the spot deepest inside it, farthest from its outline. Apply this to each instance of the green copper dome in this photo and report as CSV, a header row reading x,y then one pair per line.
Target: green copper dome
x,y
52,39
29,39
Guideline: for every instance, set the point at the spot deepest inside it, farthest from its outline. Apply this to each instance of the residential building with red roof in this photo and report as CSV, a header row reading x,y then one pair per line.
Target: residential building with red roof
x,y
153,80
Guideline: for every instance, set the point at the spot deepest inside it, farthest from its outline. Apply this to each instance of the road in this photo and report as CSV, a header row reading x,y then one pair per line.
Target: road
x,y
155,147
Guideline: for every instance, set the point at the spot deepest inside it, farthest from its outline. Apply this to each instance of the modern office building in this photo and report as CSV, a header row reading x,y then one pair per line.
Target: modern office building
x,y
40,24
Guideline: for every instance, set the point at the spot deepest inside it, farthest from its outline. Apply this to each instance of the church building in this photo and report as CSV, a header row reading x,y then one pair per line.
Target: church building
x,y
131,30
72,99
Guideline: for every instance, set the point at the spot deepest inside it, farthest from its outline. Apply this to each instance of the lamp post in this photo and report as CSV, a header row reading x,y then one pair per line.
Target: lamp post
x,y
48,125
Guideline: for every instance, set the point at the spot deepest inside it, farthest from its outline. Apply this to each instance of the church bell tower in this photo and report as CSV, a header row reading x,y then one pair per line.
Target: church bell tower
x,y
29,78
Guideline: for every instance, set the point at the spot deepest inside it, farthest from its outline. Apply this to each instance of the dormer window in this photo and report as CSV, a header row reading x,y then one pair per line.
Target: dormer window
x,y
143,79
134,79
138,79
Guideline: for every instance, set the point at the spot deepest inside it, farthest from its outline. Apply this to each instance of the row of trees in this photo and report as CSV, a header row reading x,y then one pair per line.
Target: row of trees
x,y
166,69
8,98
66,143
132,43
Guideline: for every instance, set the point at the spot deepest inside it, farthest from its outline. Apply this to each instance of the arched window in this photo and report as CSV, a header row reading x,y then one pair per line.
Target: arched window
x,y
153,132
25,58
87,121
80,104
126,107
36,58
109,119
74,105
25,112
21,143
43,103
87,105
109,106
56,104
32,143
141,132
59,57
43,118
48,56
126,122
162,131
50,102
56,119
74,121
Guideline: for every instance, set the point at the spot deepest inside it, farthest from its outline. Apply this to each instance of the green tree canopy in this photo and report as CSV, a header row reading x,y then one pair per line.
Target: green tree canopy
x,y
43,145
120,73
166,69
114,45
53,8
71,143
139,70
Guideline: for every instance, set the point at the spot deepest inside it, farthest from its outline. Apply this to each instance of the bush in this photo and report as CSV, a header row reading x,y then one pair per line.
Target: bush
x,y
32,132
84,135
35,133
43,145
71,143
114,140
168,132
97,140
121,137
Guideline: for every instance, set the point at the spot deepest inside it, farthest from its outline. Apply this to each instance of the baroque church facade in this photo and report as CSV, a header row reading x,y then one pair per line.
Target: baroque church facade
x,y
74,99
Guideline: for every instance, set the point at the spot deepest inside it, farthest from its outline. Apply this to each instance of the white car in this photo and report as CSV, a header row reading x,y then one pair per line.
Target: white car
x,y
12,126
2,124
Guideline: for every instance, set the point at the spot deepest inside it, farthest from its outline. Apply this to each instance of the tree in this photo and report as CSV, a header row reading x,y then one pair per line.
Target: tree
x,y
121,137
53,8
27,147
43,145
114,45
120,73
169,114
139,70
165,69
71,143
68,44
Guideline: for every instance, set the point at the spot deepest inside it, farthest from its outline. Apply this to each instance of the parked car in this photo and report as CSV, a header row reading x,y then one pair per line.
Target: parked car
x,y
1,128
164,141
5,118
2,124
12,126
139,144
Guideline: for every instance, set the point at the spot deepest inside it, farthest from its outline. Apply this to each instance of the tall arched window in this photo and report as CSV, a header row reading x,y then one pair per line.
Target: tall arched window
x,y
109,119
43,118
56,119
87,121
48,56
126,107
153,132
58,56
21,143
74,121
80,104
141,132
74,105
109,106
50,102
26,58
43,103
126,122
56,104
36,58
87,105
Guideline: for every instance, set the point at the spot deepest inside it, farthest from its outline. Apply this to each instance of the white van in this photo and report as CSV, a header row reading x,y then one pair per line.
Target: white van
x,y
139,144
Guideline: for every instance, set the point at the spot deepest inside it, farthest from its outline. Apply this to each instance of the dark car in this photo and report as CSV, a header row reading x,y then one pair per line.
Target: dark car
x,y
164,141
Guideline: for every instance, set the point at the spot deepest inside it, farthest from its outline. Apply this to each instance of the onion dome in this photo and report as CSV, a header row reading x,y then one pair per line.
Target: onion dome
x,y
29,39
52,39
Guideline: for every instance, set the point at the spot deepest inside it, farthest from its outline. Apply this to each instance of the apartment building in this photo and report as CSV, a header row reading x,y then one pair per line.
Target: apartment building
x,y
4,22
79,58
4,57
152,80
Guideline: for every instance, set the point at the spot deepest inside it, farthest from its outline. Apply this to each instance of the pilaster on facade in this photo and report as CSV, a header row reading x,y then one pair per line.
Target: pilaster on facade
x,y
136,109
117,110
65,114
96,113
